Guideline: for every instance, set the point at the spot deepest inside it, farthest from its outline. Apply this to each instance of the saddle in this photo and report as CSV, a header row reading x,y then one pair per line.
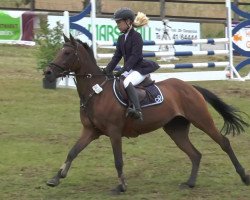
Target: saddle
x,y
149,94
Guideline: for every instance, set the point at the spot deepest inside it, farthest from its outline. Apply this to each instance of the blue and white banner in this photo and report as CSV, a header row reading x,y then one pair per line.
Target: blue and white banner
x,y
106,30
241,37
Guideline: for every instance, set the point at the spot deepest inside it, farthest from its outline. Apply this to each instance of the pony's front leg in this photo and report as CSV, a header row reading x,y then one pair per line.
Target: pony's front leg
x,y
87,136
116,142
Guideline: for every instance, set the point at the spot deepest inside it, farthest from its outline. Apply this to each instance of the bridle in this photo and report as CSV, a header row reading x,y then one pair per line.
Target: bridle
x,y
65,71
68,72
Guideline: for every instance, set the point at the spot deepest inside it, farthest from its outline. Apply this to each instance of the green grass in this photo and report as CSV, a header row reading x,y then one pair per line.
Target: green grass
x,y
38,127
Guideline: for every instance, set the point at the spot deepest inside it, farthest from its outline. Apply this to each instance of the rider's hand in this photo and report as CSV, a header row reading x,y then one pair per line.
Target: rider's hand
x,y
119,73
105,71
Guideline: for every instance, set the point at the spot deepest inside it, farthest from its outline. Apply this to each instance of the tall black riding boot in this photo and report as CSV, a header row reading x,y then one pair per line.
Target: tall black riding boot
x,y
134,112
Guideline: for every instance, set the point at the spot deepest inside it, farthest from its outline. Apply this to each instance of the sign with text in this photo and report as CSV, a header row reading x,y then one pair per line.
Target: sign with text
x,y
242,38
106,30
10,25
16,25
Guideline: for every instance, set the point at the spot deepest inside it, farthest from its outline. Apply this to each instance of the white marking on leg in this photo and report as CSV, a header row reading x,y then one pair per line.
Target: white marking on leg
x,y
63,167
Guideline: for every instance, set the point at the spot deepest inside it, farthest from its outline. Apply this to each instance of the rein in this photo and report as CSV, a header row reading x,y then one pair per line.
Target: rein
x,y
87,76
65,73
84,102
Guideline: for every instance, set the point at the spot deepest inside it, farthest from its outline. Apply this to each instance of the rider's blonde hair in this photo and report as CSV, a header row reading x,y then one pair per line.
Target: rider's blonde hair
x,y
140,20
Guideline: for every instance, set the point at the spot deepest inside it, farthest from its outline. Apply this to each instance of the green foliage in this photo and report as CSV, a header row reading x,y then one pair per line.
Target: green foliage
x,y
209,30
49,41
216,34
25,2
19,3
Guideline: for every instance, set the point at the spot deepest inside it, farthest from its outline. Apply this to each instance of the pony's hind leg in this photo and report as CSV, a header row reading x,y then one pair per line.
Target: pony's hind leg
x,y
178,130
205,123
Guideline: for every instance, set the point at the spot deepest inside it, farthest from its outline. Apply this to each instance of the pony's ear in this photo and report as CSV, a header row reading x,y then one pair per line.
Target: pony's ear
x,y
72,40
65,38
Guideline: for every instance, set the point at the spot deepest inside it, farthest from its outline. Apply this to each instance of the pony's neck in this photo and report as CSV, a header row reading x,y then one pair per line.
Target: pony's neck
x,y
91,75
85,88
88,64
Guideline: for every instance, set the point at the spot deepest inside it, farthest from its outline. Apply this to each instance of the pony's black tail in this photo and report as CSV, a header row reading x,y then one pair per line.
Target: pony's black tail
x,y
233,121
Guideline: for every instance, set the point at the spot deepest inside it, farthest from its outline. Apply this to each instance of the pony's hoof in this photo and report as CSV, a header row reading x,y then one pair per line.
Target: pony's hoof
x,y
53,182
185,185
118,190
246,180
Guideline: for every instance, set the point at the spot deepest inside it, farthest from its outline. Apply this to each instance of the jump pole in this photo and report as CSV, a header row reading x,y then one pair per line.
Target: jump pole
x,y
93,26
66,28
171,42
230,45
66,23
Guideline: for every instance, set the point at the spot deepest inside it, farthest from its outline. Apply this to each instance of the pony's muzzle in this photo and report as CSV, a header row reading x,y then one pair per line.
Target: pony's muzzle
x,y
49,75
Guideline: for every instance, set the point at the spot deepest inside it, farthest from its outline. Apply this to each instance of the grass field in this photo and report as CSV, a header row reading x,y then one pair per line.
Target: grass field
x,y
38,127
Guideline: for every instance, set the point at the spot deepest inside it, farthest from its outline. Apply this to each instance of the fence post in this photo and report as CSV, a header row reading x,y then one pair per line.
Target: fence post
x,y
32,5
236,16
230,47
93,26
85,3
162,9
98,7
66,23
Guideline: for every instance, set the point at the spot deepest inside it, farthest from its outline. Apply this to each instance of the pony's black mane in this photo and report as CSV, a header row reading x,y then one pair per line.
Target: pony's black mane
x,y
89,50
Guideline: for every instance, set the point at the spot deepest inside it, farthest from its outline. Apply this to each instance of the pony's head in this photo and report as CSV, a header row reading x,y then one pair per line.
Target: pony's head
x,y
68,59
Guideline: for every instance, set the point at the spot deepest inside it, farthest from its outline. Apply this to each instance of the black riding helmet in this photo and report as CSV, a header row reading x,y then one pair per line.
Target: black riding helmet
x,y
124,14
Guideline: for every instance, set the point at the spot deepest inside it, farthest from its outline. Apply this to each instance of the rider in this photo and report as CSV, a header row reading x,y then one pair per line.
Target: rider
x,y
129,46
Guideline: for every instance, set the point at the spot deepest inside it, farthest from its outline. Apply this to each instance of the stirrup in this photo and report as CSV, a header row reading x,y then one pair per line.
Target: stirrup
x,y
136,114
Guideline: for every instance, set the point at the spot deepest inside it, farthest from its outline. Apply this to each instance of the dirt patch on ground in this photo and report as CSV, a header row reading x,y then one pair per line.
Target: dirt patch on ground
x,y
241,92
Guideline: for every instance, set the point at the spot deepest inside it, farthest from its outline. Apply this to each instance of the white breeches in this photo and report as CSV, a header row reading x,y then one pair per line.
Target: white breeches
x,y
133,77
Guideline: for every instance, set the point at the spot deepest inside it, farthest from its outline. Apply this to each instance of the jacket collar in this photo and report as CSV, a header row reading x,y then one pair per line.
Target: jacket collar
x,y
128,34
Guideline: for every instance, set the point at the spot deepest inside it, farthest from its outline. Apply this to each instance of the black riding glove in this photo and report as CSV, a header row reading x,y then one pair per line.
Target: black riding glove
x,y
105,71
119,73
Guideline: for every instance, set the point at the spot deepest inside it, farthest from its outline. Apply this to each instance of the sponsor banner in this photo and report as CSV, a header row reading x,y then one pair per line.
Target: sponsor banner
x,y
242,38
106,30
10,25
16,26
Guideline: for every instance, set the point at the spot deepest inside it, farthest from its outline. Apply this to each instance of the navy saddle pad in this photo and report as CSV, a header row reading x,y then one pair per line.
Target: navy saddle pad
x,y
153,95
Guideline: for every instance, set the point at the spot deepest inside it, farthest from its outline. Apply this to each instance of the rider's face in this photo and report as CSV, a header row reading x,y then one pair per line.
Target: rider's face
x,y
123,25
